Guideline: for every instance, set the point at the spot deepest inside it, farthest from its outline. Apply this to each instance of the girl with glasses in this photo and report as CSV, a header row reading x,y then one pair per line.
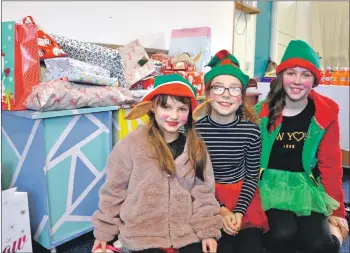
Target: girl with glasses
x,y
228,127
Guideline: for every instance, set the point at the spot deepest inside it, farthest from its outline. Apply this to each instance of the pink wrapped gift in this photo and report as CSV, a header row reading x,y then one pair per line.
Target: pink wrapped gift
x,y
136,61
62,95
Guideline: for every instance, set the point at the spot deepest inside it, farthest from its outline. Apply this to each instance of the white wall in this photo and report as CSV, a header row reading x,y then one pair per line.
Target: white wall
x,y
303,21
330,32
291,20
244,43
121,22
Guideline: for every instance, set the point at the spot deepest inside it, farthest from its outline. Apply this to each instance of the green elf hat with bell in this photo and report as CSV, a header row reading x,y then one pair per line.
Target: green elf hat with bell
x,y
172,85
300,54
224,63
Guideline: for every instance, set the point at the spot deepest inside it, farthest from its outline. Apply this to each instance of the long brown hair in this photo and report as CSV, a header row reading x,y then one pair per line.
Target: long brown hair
x,y
197,151
244,110
276,99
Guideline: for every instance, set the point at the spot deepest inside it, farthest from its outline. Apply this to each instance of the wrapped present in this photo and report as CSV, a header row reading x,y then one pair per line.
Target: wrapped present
x,y
82,77
182,62
139,94
159,60
20,63
136,60
194,77
61,95
97,55
66,64
178,66
48,47
145,84
160,57
15,222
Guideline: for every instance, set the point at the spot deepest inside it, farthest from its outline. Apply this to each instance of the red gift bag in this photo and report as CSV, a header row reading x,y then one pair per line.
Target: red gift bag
x,y
21,65
48,47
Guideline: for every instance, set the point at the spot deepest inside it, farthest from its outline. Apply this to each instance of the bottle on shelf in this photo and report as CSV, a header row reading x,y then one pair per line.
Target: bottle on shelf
x,y
335,76
322,76
327,76
341,75
346,76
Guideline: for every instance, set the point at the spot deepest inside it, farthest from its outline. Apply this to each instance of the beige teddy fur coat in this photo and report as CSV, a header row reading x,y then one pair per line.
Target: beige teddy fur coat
x,y
149,209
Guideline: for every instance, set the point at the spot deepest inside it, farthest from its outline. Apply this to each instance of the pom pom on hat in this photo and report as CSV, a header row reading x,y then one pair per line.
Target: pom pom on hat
x,y
224,63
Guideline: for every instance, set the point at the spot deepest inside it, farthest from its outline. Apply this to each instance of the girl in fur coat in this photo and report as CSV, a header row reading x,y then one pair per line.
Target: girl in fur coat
x,y
159,190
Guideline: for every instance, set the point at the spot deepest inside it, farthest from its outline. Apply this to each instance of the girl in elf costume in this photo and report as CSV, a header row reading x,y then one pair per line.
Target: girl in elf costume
x,y
301,169
159,189
233,139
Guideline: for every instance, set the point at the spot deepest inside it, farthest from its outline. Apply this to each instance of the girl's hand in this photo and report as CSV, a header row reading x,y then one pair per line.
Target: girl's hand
x,y
209,245
239,218
97,243
341,223
229,221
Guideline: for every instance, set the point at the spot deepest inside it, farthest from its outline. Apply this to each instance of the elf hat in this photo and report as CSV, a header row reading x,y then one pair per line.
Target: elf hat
x,y
224,63
300,54
172,85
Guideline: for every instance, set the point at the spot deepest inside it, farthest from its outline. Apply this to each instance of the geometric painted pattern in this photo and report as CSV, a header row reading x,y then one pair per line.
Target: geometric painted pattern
x,y
61,163
122,127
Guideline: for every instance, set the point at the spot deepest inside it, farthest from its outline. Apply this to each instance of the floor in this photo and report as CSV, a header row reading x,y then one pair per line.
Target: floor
x,y
84,243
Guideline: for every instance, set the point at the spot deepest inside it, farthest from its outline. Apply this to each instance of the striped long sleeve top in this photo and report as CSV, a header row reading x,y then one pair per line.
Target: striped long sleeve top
x,y
234,150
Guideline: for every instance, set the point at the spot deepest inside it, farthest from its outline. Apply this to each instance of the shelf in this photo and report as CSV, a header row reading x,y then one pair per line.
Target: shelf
x,y
246,8
30,114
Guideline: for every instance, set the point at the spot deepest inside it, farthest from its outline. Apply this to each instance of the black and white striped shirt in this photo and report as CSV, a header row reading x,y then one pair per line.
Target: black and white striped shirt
x,y
234,150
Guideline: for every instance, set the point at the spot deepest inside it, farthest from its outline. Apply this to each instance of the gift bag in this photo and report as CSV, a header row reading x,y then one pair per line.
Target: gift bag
x,y
194,41
137,62
104,57
20,63
16,235
48,47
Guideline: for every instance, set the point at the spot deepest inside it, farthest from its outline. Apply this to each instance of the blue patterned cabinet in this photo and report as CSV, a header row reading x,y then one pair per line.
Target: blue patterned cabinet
x,y
59,158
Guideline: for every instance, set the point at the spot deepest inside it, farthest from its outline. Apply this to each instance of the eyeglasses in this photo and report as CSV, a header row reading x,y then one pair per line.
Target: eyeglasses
x,y
233,91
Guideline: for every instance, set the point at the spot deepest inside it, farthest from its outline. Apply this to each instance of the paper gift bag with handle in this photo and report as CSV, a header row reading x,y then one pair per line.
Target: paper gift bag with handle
x,y
194,41
20,63
16,235
48,47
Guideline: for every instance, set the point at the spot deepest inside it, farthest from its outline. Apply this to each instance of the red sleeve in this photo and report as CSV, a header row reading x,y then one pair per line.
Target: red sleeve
x,y
330,165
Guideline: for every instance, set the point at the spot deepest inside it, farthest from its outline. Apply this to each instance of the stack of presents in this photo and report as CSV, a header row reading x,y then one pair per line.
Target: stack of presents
x,y
63,73
63,102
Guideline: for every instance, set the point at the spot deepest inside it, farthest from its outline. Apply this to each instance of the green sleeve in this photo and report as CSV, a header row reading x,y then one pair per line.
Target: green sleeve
x,y
258,106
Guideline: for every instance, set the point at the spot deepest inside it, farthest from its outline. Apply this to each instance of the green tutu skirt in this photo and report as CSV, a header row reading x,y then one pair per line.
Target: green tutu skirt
x,y
295,192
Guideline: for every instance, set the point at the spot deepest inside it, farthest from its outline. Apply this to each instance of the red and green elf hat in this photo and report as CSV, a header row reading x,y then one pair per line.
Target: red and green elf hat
x,y
172,85
224,63
300,54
